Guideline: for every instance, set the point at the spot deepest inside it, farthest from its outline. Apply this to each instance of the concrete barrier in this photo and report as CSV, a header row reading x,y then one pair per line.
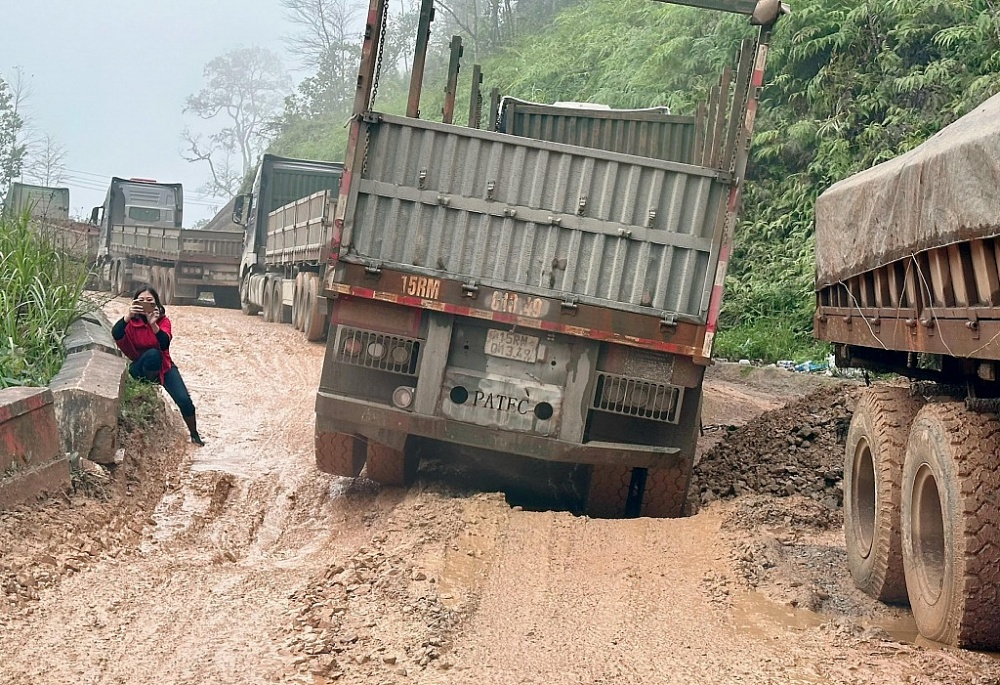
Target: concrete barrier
x,y
87,392
32,463
88,334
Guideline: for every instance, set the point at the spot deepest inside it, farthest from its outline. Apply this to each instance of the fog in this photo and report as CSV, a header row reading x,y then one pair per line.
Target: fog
x,y
109,79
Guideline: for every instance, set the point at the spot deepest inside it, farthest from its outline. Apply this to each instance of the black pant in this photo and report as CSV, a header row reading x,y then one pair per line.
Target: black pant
x,y
147,368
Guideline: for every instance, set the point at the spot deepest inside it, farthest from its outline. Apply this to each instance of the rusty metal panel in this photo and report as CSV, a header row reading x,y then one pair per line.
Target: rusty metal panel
x,y
651,132
599,227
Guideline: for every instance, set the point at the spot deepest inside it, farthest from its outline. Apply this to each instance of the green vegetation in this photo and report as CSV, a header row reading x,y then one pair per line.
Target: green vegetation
x,y
849,84
41,294
141,402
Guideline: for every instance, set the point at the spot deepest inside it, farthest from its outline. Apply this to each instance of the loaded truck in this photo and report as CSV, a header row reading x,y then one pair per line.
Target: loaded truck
x,y
287,216
908,283
532,294
48,210
40,202
142,241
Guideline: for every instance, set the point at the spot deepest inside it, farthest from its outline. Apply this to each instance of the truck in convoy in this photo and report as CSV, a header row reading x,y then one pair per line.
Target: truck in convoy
x,y
540,293
287,217
142,241
40,202
48,211
529,294
908,282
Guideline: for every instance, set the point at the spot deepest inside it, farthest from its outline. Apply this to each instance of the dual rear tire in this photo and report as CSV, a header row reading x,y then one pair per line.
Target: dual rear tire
x,y
921,516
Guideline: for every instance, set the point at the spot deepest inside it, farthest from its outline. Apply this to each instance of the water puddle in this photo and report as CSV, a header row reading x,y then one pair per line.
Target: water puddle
x,y
755,614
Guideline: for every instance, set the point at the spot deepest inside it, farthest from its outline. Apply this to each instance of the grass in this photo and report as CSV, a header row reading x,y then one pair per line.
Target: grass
x,y
41,294
141,403
769,340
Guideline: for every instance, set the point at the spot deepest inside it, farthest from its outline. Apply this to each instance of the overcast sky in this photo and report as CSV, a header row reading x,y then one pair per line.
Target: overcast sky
x,y
109,79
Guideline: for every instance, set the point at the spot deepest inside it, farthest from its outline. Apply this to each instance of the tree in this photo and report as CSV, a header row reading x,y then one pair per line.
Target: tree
x,y
11,150
245,89
46,163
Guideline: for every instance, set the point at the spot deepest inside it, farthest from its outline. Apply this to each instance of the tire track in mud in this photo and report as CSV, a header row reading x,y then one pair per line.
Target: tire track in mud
x,y
244,524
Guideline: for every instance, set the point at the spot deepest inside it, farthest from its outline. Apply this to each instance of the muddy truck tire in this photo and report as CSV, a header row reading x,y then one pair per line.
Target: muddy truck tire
x,y
339,454
388,466
951,525
607,493
873,474
665,492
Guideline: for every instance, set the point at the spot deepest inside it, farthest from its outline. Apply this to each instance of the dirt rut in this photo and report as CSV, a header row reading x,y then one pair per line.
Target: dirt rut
x,y
256,568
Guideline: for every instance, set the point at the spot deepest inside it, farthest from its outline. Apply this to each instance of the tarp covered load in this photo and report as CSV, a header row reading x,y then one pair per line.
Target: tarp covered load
x,y
944,191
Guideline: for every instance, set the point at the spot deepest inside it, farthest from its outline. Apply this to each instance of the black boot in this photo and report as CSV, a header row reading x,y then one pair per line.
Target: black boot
x,y
192,424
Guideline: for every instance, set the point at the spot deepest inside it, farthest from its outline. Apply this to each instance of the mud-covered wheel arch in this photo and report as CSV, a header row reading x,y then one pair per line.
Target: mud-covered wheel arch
x,y
873,472
339,454
950,521
665,491
608,491
389,466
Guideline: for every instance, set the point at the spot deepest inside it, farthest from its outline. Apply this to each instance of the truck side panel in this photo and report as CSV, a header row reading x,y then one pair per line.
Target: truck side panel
x,y
651,132
620,231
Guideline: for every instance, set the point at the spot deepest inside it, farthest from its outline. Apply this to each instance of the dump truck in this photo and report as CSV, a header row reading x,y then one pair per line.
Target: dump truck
x,y
40,202
48,211
288,216
908,283
142,241
532,294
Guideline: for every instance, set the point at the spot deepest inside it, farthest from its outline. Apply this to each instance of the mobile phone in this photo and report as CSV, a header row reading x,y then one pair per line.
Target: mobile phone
x,y
147,307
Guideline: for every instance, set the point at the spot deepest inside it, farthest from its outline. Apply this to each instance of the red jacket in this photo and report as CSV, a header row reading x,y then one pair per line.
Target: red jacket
x,y
139,337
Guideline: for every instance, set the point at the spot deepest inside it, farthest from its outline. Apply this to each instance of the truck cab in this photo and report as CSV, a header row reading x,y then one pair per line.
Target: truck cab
x,y
138,202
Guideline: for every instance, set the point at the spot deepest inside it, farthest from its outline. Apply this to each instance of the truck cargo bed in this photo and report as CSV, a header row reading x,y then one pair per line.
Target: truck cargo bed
x,y
185,244
942,192
609,229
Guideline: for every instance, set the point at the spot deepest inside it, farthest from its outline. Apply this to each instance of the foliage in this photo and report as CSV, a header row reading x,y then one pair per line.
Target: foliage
x,y
850,83
244,87
11,151
141,402
41,294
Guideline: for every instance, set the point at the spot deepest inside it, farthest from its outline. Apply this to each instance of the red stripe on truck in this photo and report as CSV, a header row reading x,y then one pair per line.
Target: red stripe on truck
x,y
513,319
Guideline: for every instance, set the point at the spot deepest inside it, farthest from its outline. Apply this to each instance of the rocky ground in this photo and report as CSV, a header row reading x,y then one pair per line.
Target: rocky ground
x,y
238,562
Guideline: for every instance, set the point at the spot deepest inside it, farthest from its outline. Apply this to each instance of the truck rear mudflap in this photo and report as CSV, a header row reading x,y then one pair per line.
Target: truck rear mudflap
x,y
389,426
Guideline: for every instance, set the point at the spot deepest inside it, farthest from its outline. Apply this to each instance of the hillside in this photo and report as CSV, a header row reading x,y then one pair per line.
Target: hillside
x,y
849,84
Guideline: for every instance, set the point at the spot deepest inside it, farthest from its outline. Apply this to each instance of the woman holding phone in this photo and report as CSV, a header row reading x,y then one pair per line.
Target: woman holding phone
x,y
143,335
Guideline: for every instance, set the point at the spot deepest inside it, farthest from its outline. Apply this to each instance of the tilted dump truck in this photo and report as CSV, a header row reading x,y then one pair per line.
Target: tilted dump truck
x,y
40,202
141,241
288,217
532,294
48,210
908,282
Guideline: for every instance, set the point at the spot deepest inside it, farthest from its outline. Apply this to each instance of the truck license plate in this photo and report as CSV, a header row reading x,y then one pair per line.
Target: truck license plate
x,y
516,346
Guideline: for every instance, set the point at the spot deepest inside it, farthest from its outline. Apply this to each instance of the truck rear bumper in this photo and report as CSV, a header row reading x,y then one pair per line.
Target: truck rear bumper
x,y
390,426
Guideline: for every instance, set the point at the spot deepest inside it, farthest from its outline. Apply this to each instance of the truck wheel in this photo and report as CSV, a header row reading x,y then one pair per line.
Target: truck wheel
x,y
156,279
665,492
116,289
607,494
268,301
873,473
388,466
297,302
246,306
278,302
315,315
169,285
339,454
951,525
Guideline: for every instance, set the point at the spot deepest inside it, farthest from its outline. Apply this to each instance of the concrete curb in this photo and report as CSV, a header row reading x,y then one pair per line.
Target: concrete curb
x,y
40,428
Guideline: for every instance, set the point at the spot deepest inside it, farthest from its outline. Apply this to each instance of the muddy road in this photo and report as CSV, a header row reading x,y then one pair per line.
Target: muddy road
x,y
239,563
